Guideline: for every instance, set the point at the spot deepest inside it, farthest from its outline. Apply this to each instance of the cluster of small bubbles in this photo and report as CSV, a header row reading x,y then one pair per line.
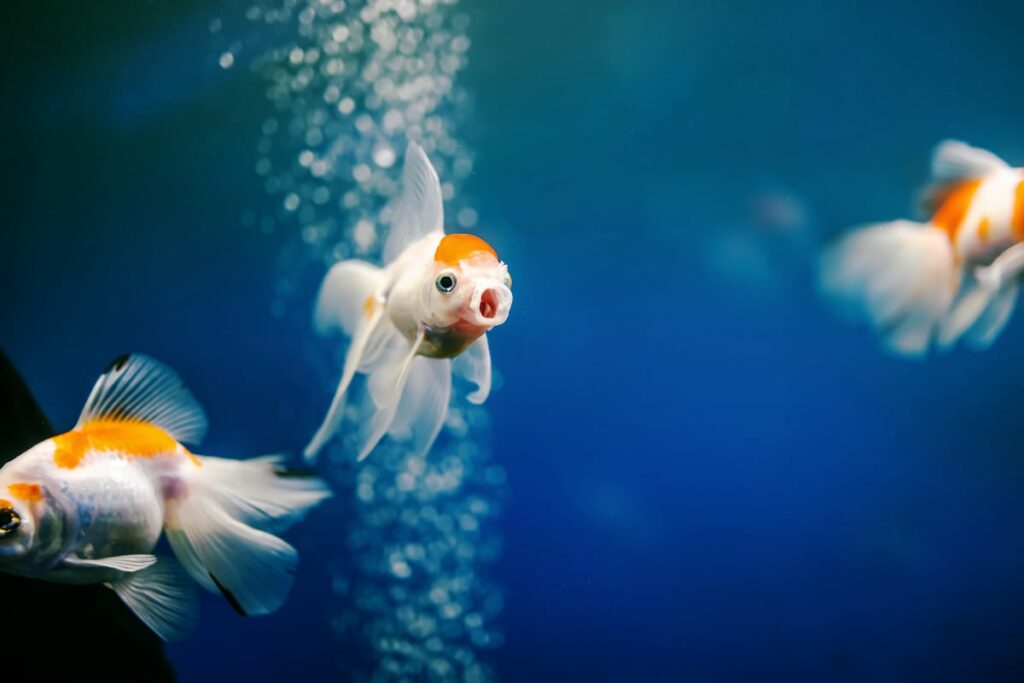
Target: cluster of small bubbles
x,y
351,84
413,586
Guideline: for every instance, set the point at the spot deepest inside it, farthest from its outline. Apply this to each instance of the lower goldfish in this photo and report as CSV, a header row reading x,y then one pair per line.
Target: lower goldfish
x,y
88,506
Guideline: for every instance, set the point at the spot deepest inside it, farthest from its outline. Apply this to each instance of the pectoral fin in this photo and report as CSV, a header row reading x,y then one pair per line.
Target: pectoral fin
x,y
127,564
474,364
162,596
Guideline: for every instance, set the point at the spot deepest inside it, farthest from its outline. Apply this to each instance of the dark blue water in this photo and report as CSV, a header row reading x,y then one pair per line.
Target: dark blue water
x,y
711,479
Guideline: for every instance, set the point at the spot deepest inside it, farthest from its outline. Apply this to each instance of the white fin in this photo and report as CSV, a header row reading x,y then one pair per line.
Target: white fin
x,y
385,385
162,597
993,320
474,364
264,492
210,530
139,389
420,210
342,302
965,312
898,276
953,160
122,563
423,406
354,359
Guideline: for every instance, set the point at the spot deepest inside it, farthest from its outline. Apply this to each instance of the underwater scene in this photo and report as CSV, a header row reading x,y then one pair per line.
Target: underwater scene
x,y
550,340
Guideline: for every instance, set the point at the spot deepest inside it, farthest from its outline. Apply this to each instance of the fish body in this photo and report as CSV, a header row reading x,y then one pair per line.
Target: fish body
x,y
983,216
414,321
88,506
956,276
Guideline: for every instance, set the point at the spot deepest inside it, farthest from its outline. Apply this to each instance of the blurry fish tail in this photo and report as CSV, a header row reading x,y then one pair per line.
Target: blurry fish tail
x,y
350,300
901,277
222,529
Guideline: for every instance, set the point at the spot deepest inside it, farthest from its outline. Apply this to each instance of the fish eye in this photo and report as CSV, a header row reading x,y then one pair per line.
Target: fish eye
x,y
445,282
9,522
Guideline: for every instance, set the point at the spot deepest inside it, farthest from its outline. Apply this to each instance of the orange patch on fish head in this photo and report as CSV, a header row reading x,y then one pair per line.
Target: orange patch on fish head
x,y
459,247
28,493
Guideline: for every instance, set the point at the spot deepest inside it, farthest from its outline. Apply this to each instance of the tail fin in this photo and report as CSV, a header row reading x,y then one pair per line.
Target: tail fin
x,y
221,529
899,276
343,299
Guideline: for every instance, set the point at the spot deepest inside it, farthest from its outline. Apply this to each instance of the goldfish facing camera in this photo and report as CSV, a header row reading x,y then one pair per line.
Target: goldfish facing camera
x,y
88,506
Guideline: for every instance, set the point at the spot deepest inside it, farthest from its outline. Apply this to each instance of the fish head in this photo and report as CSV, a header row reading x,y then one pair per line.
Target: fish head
x,y
30,525
470,288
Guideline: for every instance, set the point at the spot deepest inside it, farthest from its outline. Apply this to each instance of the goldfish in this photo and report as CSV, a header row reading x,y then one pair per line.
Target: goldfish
x,y
956,276
415,321
89,505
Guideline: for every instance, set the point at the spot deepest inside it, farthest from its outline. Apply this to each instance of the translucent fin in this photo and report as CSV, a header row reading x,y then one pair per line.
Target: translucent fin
x,y
163,597
385,386
474,364
420,210
345,296
992,321
139,389
264,493
354,359
211,534
965,312
423,406
953,160
122,563
898,276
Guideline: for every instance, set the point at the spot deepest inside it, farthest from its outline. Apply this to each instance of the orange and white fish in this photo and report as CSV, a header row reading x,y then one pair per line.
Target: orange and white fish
x,y
88,506
434,300
955,276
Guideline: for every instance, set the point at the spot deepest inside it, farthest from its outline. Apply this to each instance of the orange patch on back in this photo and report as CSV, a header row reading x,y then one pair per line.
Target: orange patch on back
x,y
1017,225
28,493
983,229
369,304
131,439
951,214
459,247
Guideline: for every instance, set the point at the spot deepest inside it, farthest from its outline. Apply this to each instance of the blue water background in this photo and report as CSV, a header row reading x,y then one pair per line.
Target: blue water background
x,y
711,478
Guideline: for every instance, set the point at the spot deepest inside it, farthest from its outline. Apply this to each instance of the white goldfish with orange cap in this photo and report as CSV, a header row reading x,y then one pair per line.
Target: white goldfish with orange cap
x,y
88,506
415,321
954,277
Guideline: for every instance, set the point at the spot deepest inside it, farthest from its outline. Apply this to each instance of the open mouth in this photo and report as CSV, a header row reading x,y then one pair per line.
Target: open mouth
x,y
489,304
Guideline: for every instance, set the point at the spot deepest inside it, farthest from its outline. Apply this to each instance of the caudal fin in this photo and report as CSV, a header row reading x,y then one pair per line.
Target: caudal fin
x,y
900,277
221,530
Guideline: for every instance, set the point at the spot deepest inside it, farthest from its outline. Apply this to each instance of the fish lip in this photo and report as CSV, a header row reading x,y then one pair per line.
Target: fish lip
x,y
489,306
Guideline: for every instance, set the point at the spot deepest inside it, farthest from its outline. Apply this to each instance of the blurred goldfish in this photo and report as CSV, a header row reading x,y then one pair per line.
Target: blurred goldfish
x,y
957,275
414,321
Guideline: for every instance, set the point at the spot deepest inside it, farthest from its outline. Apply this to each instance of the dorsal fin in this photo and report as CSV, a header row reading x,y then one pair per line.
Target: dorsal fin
x,y
953,160
420,210
953,163
135,388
